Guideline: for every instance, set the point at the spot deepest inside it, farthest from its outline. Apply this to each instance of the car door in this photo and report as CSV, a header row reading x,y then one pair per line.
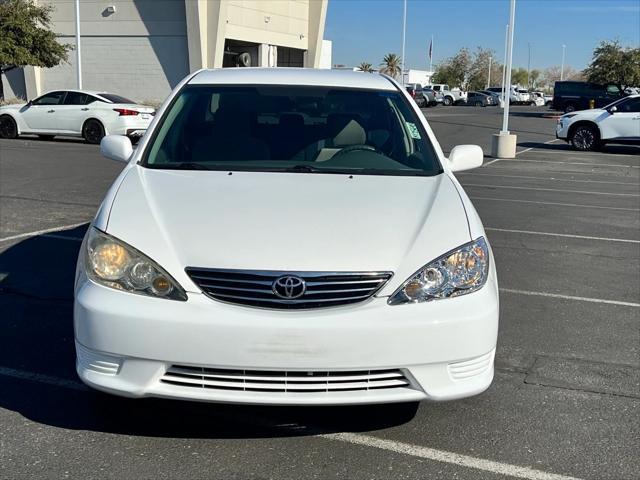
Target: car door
x,y
40,115
625,122
74,111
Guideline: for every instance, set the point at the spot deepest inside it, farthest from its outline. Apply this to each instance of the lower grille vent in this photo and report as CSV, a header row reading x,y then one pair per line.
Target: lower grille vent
x,y
284,381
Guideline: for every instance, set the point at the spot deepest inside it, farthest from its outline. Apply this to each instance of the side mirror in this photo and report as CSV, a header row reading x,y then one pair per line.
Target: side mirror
x,y
29,103
116,147
613,110
465,157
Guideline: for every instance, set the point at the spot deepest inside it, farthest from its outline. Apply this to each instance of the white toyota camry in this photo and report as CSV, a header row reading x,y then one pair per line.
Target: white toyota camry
x,y
287,236
86,114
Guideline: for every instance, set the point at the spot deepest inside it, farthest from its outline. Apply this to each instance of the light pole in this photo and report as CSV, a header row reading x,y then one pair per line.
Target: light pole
x,y
503,144
529,66
504,64
489,74
78,55
404,34
564,49
512,16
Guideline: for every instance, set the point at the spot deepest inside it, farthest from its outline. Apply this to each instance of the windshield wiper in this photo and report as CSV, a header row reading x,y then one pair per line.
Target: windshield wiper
x,y
184,166
311,169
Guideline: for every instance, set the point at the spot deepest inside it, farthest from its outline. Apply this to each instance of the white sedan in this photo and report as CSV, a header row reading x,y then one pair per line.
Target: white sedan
x,y
618,122
86,114
287,236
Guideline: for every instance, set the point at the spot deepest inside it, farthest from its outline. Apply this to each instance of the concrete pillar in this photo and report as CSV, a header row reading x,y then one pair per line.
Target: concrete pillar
x,y
217,25
317,16
33,82
196,18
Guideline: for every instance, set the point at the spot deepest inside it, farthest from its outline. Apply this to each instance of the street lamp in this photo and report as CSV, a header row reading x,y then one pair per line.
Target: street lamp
x,y
564,49
489,75
78,56
503,144
404,34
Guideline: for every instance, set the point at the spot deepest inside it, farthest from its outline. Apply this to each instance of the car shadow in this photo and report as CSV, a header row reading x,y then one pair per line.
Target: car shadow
x,y
38,379
565,147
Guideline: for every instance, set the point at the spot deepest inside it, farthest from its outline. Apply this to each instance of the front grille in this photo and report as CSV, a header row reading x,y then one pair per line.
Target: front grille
x,y
274,381
256,288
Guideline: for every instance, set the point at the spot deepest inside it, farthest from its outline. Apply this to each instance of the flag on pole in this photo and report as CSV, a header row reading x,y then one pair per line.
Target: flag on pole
x,y
431,50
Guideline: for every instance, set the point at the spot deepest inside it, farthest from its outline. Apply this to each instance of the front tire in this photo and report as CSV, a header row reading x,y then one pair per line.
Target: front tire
x,y
569,107
478,104
93,131
448,101
585,138
8,127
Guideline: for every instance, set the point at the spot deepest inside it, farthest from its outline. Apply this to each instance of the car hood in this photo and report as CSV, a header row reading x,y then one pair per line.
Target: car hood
x,y
287,221
584,114
13,106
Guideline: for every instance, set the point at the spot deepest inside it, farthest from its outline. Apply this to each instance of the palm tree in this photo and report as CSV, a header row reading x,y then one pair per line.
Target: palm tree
x,y
366,67
391,65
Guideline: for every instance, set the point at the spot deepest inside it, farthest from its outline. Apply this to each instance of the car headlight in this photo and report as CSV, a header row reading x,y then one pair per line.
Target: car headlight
x,y
112,263
461,271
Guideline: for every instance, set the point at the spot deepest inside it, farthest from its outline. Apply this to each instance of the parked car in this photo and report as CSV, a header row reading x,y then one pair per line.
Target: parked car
x,y
618,122
547,98
479,99
524,97
76,113
422,97
537,99
494,95
512,93
449,97
243,253
569,96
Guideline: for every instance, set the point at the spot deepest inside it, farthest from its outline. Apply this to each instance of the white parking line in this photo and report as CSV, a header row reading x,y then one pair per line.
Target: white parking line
x,y
352,438
445,457
552,190
525,150
42,232
493,199
552,179
491,162
569,297
566,235
570,163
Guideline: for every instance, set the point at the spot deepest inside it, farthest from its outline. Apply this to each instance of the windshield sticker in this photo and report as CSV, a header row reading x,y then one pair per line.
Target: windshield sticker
x,y
413,130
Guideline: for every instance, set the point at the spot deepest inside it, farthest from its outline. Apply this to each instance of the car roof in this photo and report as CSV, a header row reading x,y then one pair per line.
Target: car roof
x,y
293,76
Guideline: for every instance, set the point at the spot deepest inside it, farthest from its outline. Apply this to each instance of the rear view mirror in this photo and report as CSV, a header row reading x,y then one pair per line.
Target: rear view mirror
x,y
116,147
465,157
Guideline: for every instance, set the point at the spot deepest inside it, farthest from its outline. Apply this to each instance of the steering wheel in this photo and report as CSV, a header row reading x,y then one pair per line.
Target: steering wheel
x,y
355,148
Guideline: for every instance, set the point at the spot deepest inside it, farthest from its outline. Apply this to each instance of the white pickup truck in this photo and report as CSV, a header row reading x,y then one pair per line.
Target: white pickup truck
x,y
449,97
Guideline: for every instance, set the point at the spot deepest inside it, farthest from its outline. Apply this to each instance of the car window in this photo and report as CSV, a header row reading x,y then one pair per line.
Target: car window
x,y
115,98
613,90
90,99
51,98
75,98
292,128
630,105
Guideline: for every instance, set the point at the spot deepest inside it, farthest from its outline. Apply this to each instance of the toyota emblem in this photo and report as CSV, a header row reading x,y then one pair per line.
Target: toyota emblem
x,y
289,287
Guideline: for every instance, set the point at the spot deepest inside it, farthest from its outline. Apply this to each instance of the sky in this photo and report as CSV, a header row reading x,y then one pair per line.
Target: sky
x,y
366,30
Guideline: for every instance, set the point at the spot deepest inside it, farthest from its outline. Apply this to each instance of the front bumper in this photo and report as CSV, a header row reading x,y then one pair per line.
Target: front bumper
x,y
127,343
562,130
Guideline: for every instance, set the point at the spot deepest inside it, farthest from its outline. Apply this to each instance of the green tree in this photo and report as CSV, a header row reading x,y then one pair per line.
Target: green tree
x,y
534,76
25,37
366,67
391,65
478,75
612,63
519,76
454,71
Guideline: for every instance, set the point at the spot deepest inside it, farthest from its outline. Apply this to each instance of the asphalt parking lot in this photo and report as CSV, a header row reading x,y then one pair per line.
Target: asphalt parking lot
x,y
565,402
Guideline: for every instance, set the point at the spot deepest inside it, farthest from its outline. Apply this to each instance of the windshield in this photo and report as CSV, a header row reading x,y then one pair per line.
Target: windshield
x,y
112,97
292,128
618,101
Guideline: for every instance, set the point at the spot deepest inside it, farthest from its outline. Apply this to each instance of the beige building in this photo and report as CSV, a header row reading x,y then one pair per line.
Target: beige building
x,y
142,48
